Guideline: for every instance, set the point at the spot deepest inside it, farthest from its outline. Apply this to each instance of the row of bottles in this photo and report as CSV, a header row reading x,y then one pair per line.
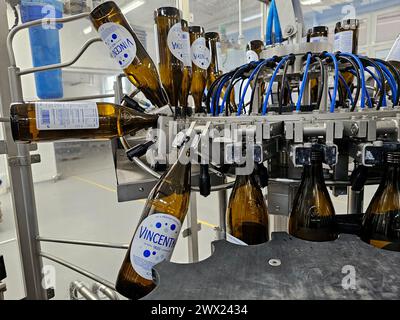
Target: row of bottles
x,y
189,58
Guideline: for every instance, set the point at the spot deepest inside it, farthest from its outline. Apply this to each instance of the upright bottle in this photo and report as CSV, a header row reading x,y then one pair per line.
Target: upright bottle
x,y
381,222
253,50
170,48
214,45
187,69
201,61
127,50
313,215
51,121
247,214
155,237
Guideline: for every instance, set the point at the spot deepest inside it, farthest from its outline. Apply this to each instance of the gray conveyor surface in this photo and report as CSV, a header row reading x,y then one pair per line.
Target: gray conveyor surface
x,y
307,270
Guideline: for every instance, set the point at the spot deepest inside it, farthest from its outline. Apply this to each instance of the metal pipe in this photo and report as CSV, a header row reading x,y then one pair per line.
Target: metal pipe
x,y
77,269
84,243
329,183
222,205
241,36
82,98
3,120
111,294
63,64
29,24
78,287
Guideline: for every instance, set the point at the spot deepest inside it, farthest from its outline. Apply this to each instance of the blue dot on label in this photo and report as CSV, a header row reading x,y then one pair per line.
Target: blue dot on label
x,y
120,62
158,225
147,253
114,36
154,253
173,227
126,55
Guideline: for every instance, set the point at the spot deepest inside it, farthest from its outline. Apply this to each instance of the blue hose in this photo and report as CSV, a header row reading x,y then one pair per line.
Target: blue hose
x,y
217,94
273,21
391,80
271,82
241,103
379,83
303,83
364,92
347,88
277,24
336,85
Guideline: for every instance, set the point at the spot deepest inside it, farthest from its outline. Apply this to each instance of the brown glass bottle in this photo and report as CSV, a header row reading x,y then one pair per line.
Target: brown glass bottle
x,y
214,45
313,216
51,121
127,50
169,34
200,62
187,69
157,232
381,222
247,214
214,71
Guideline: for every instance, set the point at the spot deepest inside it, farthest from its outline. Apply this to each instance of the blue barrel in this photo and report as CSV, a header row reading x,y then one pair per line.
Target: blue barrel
x,y
45,45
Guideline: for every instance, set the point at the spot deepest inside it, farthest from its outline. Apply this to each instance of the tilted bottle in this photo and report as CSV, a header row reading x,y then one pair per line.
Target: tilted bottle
x,y
381,222
214,45
51,121
247,213
187,69
128,51
200,55
313,215
170,48
214,71
158,230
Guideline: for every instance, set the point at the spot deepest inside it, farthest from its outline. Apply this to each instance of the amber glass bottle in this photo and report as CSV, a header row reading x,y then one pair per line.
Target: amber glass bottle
x,y
247,214
201,61
170,47
155,237
381,223
313,216
52,121
187,69
127,50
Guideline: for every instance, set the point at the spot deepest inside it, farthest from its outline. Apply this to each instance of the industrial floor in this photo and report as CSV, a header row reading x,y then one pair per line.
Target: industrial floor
x,y
82,205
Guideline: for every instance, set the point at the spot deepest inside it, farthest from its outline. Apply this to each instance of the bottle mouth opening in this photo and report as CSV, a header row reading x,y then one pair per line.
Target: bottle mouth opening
x,y
104,9
211,35
196,29
168,11
14,122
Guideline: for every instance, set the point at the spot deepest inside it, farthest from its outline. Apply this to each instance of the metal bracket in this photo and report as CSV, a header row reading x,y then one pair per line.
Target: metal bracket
x,y
3,147
188,232
24,161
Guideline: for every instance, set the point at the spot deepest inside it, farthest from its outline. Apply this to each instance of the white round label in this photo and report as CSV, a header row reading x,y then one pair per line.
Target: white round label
x,y
154,242
174,41
319,40
200,53
251,56
120,42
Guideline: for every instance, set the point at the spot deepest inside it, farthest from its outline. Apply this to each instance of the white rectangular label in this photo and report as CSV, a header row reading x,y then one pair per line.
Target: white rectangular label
x,y
66,115
344,41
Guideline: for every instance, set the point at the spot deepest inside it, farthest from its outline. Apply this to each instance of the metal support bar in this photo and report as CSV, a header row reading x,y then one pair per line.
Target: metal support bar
x,y
21,181
77,269
78,287
222,205
82,98
33,23
193,237
84,243
99,288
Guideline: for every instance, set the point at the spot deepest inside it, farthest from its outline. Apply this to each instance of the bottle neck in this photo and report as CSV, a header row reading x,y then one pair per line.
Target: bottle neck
x,y
314,173
392,176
